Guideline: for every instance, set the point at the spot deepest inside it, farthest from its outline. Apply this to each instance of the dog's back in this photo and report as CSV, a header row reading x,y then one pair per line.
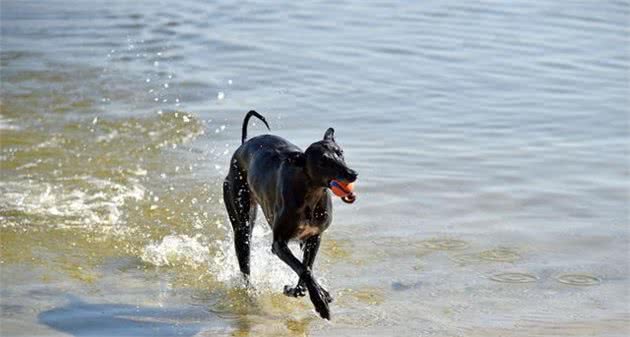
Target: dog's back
x,y
265,161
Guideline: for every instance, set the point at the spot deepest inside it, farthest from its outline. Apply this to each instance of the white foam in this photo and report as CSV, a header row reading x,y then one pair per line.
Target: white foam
x,y
6,124
99,204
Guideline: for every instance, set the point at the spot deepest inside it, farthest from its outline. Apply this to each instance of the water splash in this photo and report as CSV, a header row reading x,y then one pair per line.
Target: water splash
x,y
217,259
176,249
268,273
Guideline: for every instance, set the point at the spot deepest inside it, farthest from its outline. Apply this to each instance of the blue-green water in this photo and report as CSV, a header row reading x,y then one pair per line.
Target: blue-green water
x,y
491,140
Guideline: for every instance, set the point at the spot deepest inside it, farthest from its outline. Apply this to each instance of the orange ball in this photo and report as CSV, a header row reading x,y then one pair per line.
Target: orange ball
x,y
340,189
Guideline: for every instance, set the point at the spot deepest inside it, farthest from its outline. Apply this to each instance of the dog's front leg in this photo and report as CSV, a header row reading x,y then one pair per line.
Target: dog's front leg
x,y
282,229
281,249
310,247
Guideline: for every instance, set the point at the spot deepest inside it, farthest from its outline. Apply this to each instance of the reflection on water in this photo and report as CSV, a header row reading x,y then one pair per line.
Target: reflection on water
x,y
79,318
489,137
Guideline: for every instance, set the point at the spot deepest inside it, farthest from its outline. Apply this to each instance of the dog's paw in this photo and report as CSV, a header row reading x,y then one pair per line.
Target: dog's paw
x,y
320,304
297,291
326,295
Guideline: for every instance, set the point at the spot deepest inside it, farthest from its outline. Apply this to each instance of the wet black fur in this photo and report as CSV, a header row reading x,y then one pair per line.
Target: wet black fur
x,y
291,187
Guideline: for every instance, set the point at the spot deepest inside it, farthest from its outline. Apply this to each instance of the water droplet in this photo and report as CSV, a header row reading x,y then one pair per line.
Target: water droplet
x,y
499,254
465,258
514,278
445,244
578,279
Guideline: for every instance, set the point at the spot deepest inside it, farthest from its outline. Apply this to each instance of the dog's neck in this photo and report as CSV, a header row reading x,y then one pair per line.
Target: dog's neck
x,y
314,189
314,194
312,183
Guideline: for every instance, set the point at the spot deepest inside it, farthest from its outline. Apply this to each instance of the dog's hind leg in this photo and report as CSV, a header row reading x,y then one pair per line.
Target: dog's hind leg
x,y
242,212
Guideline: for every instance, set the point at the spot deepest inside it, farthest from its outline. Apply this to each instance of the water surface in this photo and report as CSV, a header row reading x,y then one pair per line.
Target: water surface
x,y
491,140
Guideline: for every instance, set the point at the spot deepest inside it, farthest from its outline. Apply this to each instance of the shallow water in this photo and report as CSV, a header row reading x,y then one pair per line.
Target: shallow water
x,y
491,140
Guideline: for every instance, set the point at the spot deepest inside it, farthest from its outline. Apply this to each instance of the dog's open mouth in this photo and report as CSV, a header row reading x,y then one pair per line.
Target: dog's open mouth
x,y
343,190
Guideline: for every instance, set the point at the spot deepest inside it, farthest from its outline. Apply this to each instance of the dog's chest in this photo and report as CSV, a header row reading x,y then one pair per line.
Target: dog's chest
x,y
312,222
305,231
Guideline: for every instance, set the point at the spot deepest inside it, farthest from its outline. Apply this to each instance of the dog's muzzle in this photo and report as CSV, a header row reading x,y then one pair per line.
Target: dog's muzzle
x,y
350,198
344,190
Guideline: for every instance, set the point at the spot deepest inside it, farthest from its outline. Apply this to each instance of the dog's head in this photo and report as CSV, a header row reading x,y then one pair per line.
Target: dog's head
x,y
324,161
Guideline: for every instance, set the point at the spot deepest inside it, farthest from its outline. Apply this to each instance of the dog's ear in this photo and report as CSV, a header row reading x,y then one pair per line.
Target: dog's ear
x,y
296,158
330,134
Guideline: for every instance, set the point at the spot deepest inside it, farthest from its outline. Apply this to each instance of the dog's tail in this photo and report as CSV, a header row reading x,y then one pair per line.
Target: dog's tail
x,y
246,120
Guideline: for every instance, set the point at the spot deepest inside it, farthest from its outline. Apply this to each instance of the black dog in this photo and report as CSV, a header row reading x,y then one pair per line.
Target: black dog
x,y
291,188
